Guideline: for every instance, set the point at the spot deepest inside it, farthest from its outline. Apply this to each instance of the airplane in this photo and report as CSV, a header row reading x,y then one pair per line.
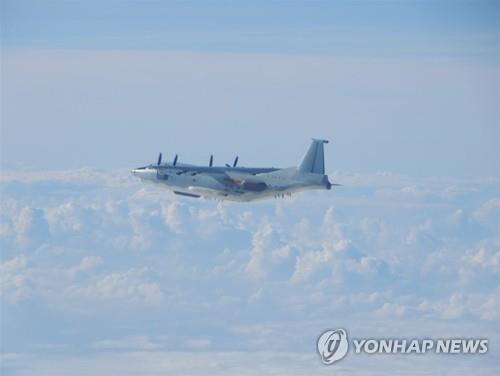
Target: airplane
x,y
234,183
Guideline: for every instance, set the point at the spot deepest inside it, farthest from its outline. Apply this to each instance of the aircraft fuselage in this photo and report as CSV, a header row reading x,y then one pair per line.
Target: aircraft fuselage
x,y
239,183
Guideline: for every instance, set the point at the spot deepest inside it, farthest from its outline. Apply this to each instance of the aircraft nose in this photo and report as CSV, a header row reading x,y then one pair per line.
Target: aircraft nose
x,y
136,172
143,173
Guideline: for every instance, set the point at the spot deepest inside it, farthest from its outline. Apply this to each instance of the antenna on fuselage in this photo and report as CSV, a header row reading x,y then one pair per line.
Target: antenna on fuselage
x,y
175,160
211,162
159,160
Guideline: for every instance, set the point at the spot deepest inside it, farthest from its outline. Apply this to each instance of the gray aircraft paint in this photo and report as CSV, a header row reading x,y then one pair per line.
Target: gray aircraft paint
x,y
240,183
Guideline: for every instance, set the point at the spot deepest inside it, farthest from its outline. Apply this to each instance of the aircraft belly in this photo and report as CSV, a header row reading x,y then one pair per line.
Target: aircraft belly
x,y
218,187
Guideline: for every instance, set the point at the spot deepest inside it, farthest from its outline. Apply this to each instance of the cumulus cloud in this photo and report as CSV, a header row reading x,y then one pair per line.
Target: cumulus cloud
x,y
483,257
171,216
490,309
488,214
86,264
321,254
354,255
391,310
31,226
452,308
260,242
127,286
64,218
14,279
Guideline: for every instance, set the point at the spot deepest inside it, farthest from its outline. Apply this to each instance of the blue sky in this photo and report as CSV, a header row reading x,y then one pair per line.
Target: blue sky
x,y
257,26
102,274
409,87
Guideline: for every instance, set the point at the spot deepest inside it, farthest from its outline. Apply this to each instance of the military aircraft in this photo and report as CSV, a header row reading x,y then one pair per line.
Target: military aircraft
x,y
231,182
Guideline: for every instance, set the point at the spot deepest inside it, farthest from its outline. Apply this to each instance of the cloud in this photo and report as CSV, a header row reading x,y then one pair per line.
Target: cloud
x,y
127,286
171,216
221,276
128,343
197,363
453,308
490,309
263,242
332,243
14,279
483,257
392,310
64,218
87,264
31,226
488,214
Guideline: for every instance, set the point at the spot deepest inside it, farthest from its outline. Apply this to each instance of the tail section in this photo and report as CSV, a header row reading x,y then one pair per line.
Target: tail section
x,y
314,160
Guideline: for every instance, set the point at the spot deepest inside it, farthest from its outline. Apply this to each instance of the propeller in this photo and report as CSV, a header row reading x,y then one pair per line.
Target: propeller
x,y
235,161
175,160
211,161
159,159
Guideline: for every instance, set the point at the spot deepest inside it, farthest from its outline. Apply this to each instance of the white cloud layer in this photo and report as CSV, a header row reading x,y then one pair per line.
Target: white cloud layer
x,y
96,261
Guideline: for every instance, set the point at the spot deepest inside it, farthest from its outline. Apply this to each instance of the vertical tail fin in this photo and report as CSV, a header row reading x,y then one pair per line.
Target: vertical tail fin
x,y
314,160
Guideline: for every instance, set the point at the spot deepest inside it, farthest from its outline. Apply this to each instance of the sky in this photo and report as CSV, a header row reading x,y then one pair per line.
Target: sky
x,y
407,87
102,274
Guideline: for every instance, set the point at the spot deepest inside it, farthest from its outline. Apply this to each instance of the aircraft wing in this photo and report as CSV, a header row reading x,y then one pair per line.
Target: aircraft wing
x,y
242,182
233,177
238,181
241,176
